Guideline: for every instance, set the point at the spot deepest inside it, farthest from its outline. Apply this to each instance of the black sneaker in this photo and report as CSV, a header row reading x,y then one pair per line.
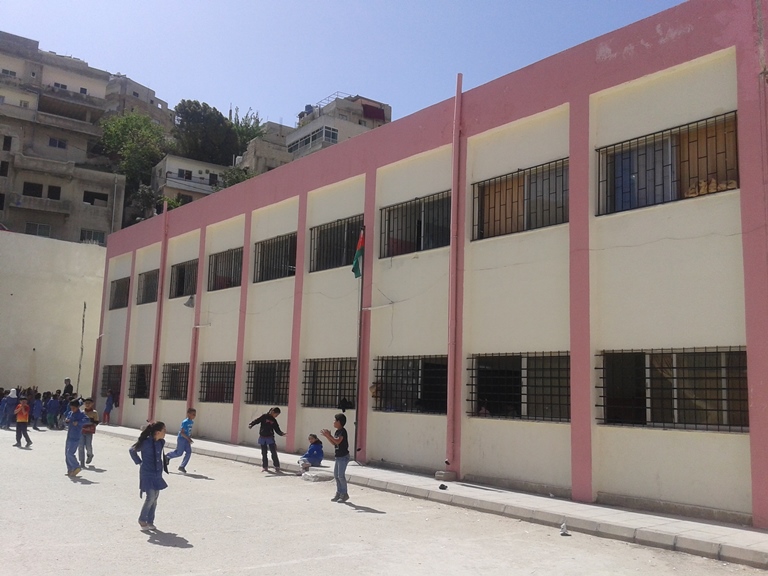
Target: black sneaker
x,y
89,459
336,498
182,469
343,498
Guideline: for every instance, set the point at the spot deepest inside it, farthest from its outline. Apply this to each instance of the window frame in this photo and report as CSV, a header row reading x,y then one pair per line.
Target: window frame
x,y
333,245
275,258
411,384
328,381
140,382
147,287
175,381
267,382
230,264
217,382
119,293
187,286
93,237
406,227
111,379
37,229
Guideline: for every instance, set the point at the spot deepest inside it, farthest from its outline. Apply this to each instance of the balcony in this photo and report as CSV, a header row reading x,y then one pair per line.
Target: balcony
x,y
74,105
15,200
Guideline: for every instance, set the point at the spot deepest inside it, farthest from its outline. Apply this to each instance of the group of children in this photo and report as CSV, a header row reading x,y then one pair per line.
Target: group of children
x,y
148,453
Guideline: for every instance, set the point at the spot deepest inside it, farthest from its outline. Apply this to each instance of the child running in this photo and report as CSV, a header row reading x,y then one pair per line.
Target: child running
x,y
184,441
85,447
76,421
22,419
340,441
267,429
150,446
314,454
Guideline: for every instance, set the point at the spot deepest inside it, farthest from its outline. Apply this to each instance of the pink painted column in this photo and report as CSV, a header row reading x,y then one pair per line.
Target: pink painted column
x,y
580,336
154,389
126,341
97,356
245,284
753,179
298,292
192,381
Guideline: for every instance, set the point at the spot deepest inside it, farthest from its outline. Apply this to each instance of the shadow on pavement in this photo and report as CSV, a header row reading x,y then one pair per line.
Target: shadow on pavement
x,y
196,476
79,480
168,539
364,508
94,469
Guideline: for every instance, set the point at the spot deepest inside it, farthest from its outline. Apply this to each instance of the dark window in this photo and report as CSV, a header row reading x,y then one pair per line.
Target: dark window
x,y
146,289
697,388
524,200
275,258
54,192
118,293
95,198
57,143
683,162
329,381
10,73
416,225
333,245
183,279
136,94
141,375
184,198
225,269
4,168
93,237
36,229
111,379
32,189
534,386
267,382
2,201
217,382
83,90
175,381
7,142
213,179
411,384
59,85
185,174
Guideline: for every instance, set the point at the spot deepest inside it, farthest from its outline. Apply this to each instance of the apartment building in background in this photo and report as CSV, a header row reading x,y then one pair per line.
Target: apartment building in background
x,y
125,96
185,179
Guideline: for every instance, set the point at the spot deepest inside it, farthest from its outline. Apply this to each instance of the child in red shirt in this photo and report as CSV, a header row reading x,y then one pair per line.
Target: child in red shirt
x,y
22,419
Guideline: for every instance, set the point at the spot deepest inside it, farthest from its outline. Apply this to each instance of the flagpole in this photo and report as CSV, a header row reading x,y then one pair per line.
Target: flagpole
x,y
359,342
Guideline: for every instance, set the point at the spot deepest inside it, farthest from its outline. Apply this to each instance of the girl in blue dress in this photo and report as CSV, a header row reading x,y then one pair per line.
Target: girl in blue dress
x,y
148,453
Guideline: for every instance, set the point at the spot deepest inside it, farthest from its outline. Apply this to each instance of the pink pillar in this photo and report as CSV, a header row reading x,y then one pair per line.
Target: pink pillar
x,y
192,381
126,341
245,284
153,387
753,179
581,346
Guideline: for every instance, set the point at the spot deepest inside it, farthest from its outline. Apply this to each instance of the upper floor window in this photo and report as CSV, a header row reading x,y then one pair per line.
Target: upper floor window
x,y
416,225
93,237
698,388
83,90
225,269
411,384
36,229
275,258
118,293
95,198
523,200
32,189
330,383
10,73
4,167
185,174
7,140
683,162
534,386
59,85
24,103
213,179
54,192
333,245
183,279
267,382
146,289
183,198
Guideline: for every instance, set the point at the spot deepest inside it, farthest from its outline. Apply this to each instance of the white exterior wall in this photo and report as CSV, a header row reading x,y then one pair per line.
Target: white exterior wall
x,y
74,81
670,276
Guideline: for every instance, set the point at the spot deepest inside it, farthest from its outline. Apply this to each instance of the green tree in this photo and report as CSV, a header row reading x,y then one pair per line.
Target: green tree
x,y
147,204
232,176
203,133
247,128
135,143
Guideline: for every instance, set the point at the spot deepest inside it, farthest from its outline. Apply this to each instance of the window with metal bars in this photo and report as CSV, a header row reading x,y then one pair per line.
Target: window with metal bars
x,y
267,382
175,381
118,293
333,245
217,382
530,386
225,269
411,384
183,279
682,162
141,375
275,258
146,287
524,200
416,225
694,388
330,383
111,379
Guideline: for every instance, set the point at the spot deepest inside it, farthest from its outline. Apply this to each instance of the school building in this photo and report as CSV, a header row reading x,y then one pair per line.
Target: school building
x,y
564,289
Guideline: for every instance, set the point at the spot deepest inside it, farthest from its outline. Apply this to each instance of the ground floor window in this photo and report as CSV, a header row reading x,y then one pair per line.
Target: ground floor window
x,y
175,381
217,382
330,383
267,382
111,378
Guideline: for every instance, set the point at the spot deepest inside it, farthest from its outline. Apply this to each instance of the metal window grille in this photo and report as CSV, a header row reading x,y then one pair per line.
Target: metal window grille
x,y
267,382
217,382
146,287
524,200
682,162
693,388
118,293
330,383
141,375
275,258
175,381
411,384
183,279
333,245
225,269
416,225
111,379
530,386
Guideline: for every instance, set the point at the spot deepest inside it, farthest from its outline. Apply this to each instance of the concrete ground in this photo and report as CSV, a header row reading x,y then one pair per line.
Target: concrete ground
x,y
227,517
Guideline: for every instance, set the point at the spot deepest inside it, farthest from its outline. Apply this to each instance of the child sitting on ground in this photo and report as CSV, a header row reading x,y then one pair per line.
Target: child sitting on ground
x,y
313,455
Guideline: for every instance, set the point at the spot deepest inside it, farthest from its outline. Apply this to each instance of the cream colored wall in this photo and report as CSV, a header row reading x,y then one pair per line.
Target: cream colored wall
x,y
412,440
142,345
312,420
14,97
178,320
43,286
707,469
134,410
14,64
172,412
340,200
74,81
114,320
213,421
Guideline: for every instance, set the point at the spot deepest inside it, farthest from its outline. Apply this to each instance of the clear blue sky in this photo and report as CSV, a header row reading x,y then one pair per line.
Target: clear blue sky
x,y
275,56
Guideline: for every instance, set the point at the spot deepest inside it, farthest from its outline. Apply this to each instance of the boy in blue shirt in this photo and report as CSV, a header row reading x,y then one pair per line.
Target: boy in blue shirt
x,y
76,420
184,441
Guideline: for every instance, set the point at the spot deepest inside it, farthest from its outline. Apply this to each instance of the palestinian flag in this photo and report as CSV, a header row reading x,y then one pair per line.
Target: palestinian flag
x,y
357,261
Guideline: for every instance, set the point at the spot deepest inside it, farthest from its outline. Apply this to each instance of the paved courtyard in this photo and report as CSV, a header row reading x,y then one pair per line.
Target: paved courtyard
x,y
227,517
